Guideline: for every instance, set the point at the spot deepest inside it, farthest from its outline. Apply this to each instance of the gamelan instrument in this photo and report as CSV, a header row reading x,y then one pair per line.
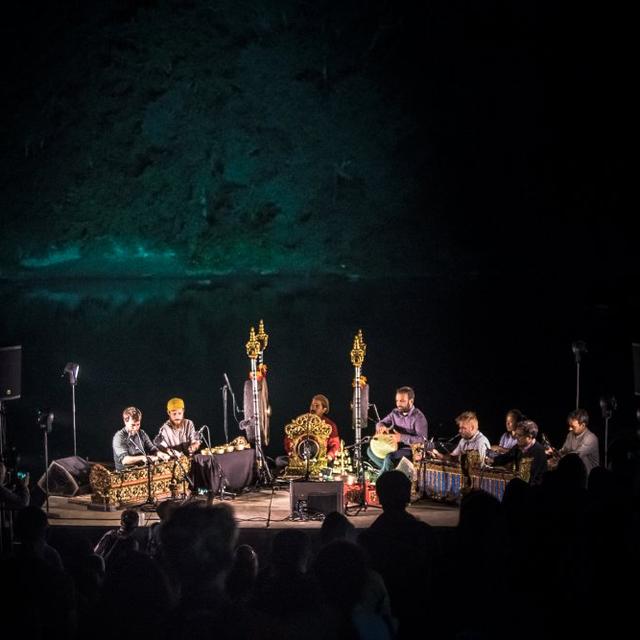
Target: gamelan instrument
x,y
111,490
382,444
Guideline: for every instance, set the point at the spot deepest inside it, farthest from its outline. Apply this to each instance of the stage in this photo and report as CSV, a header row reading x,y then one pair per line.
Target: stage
x,y
260,514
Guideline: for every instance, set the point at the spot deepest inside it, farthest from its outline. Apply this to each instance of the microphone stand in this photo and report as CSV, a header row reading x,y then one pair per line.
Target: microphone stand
x,y
150,502
185,477
225,421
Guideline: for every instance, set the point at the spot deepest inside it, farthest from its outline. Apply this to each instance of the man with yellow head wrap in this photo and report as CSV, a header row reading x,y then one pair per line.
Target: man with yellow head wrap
x,y
177,433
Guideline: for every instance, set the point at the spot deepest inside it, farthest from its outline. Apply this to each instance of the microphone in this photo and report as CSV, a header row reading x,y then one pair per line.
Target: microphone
x,y
233,396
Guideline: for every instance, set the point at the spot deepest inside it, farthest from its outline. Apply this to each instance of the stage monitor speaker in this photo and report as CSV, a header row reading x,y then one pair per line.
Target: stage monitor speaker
x,y
10,372
323,497
67,477
635,347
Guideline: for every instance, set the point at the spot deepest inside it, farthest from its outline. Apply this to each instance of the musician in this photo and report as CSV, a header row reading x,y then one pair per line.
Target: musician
x,y
471,438
319,407
131,445
526,432
178,434
580,440
406,424
508,440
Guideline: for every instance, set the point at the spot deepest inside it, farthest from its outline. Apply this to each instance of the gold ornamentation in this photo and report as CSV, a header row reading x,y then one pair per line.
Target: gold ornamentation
x,y
310,427
262,336
358,350
118,489
253,346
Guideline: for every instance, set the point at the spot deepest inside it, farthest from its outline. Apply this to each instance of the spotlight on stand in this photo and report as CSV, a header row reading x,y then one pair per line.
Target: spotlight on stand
x,y
45,420
72,368
578,347
608,404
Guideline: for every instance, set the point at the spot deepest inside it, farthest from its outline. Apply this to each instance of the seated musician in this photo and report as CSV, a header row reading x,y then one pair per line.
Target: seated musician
x,y
406,425
319,407
580,440
508,439
526,432
131,445
471,438
178,434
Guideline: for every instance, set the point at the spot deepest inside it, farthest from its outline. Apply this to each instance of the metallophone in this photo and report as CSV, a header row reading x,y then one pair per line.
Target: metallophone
x,y
112,490
447,480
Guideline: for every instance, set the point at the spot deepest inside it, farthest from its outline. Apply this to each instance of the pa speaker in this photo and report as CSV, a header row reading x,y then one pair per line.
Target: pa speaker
x,y
10,372
323,497
67,477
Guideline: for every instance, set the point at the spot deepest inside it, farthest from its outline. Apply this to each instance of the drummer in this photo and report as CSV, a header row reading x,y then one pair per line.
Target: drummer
x,y
404,426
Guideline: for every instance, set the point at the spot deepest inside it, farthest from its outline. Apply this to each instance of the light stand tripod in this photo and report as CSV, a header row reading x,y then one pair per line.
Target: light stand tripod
x,y
45,421
73,369
608,405
578,347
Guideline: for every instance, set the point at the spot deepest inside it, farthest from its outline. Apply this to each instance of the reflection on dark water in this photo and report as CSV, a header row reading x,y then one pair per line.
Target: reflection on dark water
x,y
462,345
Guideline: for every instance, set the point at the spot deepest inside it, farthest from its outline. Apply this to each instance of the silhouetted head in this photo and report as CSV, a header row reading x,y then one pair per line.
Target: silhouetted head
x,y
571,472
394,490
336,526
129,519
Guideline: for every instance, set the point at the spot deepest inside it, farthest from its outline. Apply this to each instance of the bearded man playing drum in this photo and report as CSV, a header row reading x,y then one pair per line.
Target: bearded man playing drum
x,y
397,431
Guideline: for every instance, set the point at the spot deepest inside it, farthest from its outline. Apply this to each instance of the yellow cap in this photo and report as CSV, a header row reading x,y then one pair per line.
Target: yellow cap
x,y
175,403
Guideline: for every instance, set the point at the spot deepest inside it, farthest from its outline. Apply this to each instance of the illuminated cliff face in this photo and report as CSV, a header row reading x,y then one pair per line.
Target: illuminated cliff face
x,y
192,139
350,138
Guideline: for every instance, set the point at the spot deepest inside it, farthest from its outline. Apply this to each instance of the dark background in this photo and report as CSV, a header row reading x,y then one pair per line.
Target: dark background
x,y
448,178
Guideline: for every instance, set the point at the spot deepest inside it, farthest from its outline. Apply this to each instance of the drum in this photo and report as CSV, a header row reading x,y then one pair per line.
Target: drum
x,y
382,444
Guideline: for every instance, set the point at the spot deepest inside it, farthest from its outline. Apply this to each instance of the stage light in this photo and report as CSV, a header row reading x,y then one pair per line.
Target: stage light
x,y
72,368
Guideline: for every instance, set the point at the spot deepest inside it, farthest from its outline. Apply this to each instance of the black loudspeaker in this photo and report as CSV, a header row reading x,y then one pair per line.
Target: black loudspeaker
x,y
324,497
635,347
10,372
67,477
